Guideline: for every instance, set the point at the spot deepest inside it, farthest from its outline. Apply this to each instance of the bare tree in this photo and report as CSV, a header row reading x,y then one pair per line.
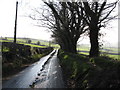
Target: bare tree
x,y
65,23
68,20
96,15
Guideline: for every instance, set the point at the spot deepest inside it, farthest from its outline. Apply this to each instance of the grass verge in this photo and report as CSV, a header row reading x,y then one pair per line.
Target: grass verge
x,y
83,72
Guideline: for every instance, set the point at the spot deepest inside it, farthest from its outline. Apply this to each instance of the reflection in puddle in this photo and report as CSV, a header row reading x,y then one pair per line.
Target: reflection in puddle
x,y
55,77
54,72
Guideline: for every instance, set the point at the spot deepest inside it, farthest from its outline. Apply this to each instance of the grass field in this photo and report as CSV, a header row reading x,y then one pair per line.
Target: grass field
x,y
111,52
115,56
43,43
106,51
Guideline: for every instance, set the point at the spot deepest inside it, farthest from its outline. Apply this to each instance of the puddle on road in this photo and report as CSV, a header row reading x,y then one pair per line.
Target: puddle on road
x,y
42,75
54,72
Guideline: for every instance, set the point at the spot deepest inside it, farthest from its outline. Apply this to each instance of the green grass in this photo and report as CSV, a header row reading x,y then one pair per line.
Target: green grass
x,y
73,63
32,45
55,45
10,38
112,50
114,56
23,41
83,48
109,55
5,49
85,53
83,72
4,41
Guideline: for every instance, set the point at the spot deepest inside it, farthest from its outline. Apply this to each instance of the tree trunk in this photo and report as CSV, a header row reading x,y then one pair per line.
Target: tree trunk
x,y
68,46
94,50
72,46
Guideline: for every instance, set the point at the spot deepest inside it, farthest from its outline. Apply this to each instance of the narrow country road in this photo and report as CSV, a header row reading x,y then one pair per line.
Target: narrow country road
x,y
46,73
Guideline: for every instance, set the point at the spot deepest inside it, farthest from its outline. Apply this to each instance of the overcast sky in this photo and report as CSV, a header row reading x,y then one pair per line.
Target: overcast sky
x,y
25,27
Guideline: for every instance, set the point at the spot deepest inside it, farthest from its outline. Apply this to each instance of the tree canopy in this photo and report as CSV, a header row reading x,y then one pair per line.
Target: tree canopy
x,y
68,20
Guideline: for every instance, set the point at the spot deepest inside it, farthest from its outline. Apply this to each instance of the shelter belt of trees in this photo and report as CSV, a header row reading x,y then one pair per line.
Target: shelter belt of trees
x,y
69,20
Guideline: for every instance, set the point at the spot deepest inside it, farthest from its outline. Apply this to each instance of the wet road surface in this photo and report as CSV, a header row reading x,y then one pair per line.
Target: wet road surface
x,y
46,73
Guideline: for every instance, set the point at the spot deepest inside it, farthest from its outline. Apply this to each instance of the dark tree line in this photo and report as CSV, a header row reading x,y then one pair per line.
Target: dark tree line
x,y
69,25
68,20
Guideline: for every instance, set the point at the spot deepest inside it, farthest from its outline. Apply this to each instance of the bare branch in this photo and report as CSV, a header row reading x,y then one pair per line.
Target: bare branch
x,y
108,13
